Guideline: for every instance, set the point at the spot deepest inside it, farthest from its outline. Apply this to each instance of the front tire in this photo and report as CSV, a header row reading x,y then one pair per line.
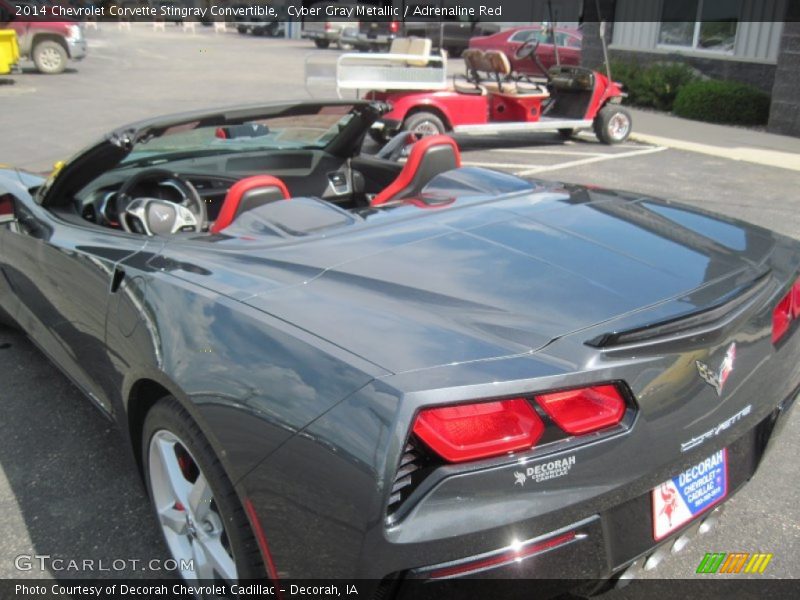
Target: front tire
x,y
424,123
49,57
198,511
613,124
322,44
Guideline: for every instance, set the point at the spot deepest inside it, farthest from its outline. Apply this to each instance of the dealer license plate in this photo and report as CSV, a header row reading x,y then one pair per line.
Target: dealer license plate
x,y
680,499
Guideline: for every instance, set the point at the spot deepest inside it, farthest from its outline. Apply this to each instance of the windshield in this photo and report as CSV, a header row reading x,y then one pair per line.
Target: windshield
x,y
307,131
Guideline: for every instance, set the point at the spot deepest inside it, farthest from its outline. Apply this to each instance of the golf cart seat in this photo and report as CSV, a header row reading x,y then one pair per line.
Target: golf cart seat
x,y
430,156
412,47
490,72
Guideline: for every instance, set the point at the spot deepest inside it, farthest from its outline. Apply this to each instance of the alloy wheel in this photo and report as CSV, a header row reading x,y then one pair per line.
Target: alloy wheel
x,y
187,512
618,126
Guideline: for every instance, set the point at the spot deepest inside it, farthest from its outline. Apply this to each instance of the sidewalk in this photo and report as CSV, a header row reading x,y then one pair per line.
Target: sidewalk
x,y
734,143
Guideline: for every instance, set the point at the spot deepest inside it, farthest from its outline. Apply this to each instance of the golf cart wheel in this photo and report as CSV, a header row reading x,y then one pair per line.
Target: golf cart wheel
x,y
567,133
50,57
242,30
322,43
198,511
424,123
613,124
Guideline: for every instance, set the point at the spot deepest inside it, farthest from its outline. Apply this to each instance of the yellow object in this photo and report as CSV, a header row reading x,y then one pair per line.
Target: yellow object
x,y
9,50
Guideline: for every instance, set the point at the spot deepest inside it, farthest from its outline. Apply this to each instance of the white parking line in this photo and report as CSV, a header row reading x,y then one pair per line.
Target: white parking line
x,y
495,165
587,161
547,152
528,169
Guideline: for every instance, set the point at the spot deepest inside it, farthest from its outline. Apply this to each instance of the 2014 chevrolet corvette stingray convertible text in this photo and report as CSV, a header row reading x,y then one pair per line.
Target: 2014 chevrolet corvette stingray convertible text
x,y
331,364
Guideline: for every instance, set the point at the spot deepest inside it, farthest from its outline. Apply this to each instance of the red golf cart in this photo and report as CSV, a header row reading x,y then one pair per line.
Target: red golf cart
x,y
489,98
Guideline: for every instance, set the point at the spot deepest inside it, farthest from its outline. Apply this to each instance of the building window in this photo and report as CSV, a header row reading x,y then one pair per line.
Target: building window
x,y
700,24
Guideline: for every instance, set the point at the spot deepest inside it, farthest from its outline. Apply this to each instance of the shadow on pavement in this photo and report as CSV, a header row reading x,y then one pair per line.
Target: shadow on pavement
x,y
73,492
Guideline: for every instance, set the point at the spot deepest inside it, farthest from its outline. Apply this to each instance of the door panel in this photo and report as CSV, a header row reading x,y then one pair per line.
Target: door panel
x,y
62,275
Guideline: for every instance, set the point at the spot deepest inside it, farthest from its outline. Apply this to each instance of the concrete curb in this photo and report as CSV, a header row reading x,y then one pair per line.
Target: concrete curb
x,y
769,158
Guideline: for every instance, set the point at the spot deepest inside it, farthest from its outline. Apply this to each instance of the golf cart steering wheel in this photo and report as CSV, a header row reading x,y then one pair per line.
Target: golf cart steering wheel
x,y
527,49
155,216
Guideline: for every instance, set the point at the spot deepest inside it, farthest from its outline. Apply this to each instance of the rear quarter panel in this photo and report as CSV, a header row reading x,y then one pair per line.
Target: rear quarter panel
x,y
250,381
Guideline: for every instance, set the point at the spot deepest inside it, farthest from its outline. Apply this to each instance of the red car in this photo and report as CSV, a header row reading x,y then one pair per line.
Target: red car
x,y
508,41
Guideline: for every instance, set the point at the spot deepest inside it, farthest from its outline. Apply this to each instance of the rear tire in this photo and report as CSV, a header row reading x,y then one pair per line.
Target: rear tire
x,y
178,463
50,57
424,123
613,124
322,44
567,134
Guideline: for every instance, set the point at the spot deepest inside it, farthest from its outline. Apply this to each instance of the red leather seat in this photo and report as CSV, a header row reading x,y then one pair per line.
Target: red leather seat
x,y
430,156
246,194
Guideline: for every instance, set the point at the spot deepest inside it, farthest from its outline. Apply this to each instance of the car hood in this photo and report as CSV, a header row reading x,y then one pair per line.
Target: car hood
x,y
495,278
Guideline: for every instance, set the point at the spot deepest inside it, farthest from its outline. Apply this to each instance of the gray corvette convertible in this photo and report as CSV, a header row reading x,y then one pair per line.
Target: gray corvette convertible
x,y
390,367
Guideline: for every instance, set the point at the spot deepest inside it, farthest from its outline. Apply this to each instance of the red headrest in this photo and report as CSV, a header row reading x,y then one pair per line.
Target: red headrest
x,y
418,153
233,199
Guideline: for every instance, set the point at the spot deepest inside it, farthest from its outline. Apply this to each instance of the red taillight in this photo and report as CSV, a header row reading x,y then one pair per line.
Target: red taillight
x,y
584,410
781,318
328,26
785,312
473,431
394,26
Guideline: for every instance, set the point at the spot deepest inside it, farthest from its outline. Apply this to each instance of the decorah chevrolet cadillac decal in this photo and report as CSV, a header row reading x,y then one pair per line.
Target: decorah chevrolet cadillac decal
x,y
544,471
717,379
418,369
678,500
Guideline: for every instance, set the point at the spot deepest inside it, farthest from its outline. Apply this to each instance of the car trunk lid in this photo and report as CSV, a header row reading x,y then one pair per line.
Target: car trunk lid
x,y
507,277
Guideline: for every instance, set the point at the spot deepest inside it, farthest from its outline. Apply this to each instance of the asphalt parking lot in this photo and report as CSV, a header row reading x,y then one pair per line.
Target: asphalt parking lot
x,y
67,488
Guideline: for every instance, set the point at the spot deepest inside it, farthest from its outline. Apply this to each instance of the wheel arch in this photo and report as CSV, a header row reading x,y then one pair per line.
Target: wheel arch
x,y
144,392
51,37
431,108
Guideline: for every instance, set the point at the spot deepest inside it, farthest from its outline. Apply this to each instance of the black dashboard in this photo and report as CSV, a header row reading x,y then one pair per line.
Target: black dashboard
x,y
305,173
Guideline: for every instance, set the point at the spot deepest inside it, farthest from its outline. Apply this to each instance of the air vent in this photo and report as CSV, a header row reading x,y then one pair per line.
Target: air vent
x,y
414,466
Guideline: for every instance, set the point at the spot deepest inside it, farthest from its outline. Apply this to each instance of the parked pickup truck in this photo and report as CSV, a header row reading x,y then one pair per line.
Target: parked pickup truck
x,y
326,30
451,33
49,41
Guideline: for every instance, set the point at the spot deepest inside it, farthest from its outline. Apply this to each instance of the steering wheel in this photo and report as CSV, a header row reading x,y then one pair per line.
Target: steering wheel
x,y
154,216
527,49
